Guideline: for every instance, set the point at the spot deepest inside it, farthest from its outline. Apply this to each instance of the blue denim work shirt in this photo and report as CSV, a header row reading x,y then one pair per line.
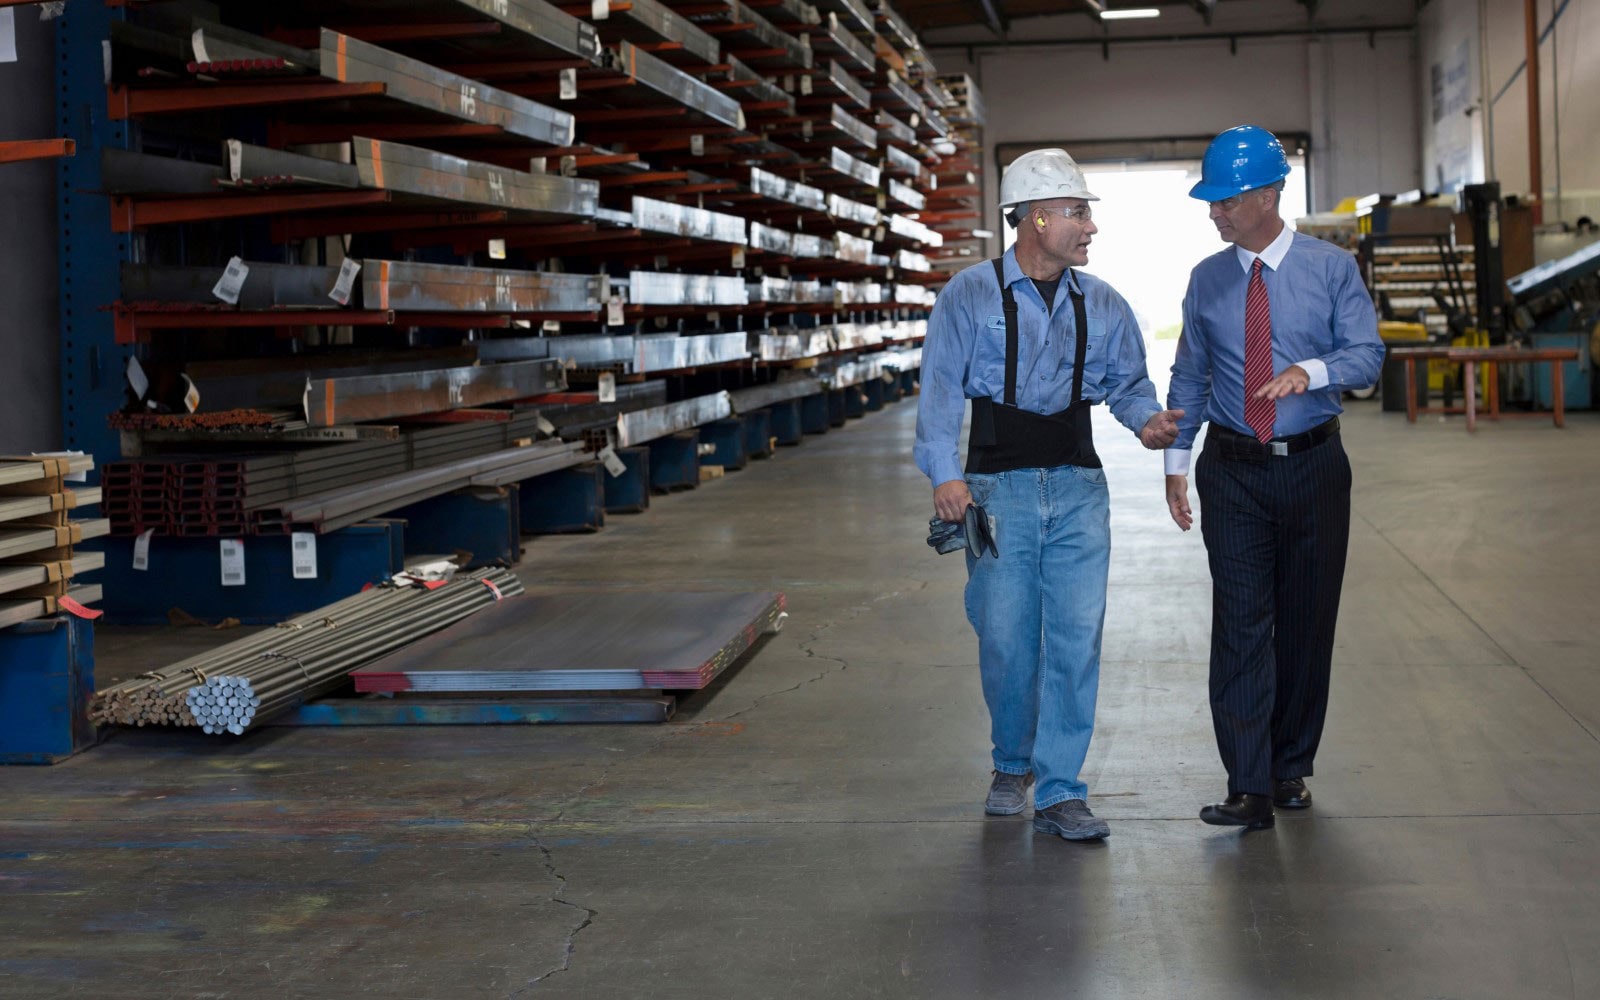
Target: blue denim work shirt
x,y
1321,312
964,357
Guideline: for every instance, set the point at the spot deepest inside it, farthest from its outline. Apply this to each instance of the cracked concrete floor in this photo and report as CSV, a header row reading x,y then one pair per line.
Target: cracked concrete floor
x,y
811,827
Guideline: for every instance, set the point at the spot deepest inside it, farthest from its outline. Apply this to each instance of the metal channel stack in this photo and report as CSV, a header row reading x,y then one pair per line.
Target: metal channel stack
x,y
484,242
39,564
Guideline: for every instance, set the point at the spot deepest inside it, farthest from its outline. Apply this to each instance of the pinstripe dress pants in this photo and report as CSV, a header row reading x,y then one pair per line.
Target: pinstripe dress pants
x,y
1276,533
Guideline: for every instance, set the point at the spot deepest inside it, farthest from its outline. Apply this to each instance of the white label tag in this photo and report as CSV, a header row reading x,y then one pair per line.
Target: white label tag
x,y
346,282
805,129
198,41
232,562
661,262
497,249
105,60
8,35
697,145
191,398
141,551
569,85
303,554
469,101
232,282
137,379
614,316
614,465
738,256
545,427
569,166
607,387
538,164
714,317
805,86
599,10
551,326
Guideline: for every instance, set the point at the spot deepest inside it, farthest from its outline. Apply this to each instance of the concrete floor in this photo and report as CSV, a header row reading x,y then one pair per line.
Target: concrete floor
x,y
812,827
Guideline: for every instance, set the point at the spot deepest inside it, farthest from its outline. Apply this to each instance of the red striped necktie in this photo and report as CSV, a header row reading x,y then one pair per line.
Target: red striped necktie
x,y
1260,414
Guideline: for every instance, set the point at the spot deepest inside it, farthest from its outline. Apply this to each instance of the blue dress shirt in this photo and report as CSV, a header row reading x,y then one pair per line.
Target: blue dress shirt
x,y
1322,320
964,356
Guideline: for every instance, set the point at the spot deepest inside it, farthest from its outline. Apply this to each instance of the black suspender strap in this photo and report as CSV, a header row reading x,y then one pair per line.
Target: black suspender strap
x,y
1009,304
1080,315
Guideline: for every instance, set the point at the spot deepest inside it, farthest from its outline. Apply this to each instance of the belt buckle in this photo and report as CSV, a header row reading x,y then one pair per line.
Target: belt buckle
x,y
1278,448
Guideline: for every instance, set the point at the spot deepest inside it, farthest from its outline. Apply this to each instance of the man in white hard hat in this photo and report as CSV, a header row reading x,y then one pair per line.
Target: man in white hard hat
x,y
1034,344
1274,328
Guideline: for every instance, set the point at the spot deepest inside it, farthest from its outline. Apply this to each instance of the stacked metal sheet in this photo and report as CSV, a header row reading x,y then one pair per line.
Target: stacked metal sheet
x,y
584,642
39,566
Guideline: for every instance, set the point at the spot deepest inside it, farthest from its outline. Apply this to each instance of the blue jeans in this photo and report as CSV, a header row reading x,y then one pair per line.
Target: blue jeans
x,y
1039,610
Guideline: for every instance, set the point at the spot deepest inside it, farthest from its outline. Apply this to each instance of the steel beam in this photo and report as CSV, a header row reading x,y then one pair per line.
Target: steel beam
x,y
395,167
333,401
641,426
410,285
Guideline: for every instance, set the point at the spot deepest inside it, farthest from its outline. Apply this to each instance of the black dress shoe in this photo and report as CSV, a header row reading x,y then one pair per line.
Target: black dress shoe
x,y
1240,809
1291,793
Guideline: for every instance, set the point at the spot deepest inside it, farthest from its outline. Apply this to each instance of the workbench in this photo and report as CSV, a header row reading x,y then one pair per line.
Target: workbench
x,y
1491,357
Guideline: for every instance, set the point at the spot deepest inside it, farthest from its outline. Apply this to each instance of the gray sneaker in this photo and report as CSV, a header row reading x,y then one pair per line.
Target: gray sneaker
x,y
1070,820
1008,794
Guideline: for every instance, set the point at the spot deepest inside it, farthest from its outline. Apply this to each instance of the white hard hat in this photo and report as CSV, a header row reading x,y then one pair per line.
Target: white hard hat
x,y
1040,174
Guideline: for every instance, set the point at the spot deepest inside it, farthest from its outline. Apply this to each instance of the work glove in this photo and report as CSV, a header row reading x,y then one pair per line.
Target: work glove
x,y
971,533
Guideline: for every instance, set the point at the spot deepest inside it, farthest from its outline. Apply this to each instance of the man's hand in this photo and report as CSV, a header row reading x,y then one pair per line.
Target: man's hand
x,y
951,500
1178,501
1161,430
1293,380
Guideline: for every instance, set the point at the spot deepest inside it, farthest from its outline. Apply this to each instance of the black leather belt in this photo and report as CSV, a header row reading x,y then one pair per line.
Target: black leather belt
x,y
1230,444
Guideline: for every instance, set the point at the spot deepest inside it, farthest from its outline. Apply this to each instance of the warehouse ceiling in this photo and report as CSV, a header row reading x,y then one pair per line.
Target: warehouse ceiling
x,y
1019,20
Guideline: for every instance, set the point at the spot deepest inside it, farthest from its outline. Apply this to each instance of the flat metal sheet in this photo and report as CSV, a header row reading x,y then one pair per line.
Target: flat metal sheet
x,y
640,426
764,237
538,29
417,83
756,397
650,22
645,69
848,165
893,128
794,346
603,640
861,18
770,185
907,195
671,352
392,166
901,162
908,260
852,249
835,34
416,287
853,127
847,84
126,172
853,211
250,165
333,401
814,247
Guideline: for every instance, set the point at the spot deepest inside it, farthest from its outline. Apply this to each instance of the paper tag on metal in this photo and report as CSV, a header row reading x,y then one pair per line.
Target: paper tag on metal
x,y
232,562
72,607
197,41
607,387
137,380
493,590
550,326
614,316
232,281
303,554
497,249
599,10
346,281
569,85
697,145
105,60
141,550
738,256
614,465
545,427
805,85
713,317
191,396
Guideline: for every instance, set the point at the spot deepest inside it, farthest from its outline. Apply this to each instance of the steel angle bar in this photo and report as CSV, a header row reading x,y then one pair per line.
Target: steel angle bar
x,y
770,185
20,540
14,612
858,17
564,457
905,94
904,35
412,286
832,37
848,165
671,352
892,129
902,163
374,397
125,172
215,46
764,237
392,166
647,21
266,286
649,288
644,425
16,577
907,195
15,470
756,397
351,60
833,82
12,508
852,127
684,220
646,70
250,165
934,125
853,211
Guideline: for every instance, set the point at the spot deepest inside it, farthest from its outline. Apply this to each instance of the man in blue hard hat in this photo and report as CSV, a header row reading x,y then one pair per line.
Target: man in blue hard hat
x,y
1034,344
1274,328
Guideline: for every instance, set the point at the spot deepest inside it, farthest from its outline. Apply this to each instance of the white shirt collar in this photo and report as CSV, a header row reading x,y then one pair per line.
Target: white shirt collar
x,y
1272,256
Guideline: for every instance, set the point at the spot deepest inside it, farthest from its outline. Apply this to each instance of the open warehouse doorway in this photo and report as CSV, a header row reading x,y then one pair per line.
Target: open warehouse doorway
x,y
1151,232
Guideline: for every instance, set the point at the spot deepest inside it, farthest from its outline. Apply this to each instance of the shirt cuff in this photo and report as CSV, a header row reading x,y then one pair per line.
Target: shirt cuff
x,y
1318,370
945,471
1176,460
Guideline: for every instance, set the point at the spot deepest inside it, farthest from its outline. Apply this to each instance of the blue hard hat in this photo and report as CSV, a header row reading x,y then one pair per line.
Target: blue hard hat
x,y
1241,159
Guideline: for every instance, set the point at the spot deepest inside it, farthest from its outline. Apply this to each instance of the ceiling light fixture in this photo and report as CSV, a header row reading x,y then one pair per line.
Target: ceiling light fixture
x,y
1129,13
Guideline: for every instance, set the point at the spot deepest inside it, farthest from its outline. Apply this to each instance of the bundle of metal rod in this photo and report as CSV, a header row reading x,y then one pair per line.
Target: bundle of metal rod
x,y
298,659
